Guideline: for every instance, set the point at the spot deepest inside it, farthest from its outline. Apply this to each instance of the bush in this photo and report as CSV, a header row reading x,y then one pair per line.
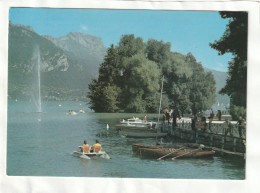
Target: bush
x,y
237,111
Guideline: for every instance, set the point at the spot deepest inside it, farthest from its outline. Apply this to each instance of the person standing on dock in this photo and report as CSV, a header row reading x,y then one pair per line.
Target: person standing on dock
x,y
168,117
219,115
145,118
190,112
193,123
240,126
228,128
175,114
165,114
211,116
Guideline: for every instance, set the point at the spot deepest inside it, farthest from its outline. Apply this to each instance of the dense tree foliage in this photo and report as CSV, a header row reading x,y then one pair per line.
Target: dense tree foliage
x,y
158,51
130,79
202,93
140,80
234,40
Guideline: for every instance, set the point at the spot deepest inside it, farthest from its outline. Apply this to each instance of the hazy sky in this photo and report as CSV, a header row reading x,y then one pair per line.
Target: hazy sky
x,y
187,31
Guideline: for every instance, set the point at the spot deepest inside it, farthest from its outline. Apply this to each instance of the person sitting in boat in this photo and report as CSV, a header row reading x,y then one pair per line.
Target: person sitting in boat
x,y
85,147
96,147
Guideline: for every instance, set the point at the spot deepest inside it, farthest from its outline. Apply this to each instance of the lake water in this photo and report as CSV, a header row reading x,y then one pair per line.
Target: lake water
x,y
41,144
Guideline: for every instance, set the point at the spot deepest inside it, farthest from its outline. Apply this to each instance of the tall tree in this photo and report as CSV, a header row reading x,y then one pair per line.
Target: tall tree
x,y
104,92
234,40
140,80
202,86
177,76
109,71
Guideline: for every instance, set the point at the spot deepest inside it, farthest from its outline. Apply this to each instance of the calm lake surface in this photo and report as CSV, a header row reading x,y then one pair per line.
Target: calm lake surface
x,y
41,144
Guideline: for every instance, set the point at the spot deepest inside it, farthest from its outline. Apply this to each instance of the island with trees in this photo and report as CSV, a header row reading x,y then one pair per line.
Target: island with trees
x,y
129,79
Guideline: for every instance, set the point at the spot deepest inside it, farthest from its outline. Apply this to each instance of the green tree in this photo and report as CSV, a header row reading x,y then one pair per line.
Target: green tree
x,y
130,46
109,71
177,76
202,86
158,51
234,40
95,96
140,80
103,98
104,92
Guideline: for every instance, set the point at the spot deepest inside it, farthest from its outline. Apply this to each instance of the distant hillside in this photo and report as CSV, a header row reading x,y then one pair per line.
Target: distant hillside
x,y
220,78
23,42
68,64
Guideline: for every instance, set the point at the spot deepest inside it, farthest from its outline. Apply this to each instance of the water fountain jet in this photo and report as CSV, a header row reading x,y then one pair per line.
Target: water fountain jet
x,y
37,61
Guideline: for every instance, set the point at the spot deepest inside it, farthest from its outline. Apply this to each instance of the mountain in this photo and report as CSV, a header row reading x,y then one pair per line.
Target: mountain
x,y
86,51
220,78
23,43
68,63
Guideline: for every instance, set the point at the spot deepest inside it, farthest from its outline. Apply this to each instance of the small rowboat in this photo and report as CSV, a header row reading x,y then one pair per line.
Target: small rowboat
x,y
88,155
172,151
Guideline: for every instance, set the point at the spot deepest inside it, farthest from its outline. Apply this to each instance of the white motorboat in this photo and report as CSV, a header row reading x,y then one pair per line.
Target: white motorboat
x,y
136,127
81,111
135,122
88,155
71,112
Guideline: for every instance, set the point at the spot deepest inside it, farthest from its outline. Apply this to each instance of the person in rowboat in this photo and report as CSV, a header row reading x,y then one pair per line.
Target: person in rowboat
x,y
96,147
85,147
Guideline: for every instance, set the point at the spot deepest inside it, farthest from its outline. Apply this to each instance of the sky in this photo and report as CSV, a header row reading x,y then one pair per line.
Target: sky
x,y
187,31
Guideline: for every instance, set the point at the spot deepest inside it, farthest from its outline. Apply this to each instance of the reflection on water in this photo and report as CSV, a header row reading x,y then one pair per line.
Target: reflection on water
x,y
40,144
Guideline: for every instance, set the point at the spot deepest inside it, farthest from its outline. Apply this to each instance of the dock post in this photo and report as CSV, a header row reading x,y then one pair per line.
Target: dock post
x,y
211,140
197,137
234,143
222,144
192,136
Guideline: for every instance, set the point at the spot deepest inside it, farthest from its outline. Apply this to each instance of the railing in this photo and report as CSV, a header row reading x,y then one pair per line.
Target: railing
x,y
215,128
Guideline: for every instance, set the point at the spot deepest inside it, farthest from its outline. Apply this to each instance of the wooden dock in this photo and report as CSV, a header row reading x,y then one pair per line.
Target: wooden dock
x,y
223,144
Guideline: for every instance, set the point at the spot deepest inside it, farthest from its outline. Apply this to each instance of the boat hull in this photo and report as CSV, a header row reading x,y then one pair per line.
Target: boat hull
x,y
141,134
101,154
157,151
136,127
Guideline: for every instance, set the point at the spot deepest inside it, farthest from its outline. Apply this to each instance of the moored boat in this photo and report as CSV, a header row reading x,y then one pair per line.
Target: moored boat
x,y
141,134
71,112
81,111
172,151
131,126
135,122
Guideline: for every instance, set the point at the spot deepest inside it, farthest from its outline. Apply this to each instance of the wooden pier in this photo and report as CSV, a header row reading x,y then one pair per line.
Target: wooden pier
x,y
231,145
